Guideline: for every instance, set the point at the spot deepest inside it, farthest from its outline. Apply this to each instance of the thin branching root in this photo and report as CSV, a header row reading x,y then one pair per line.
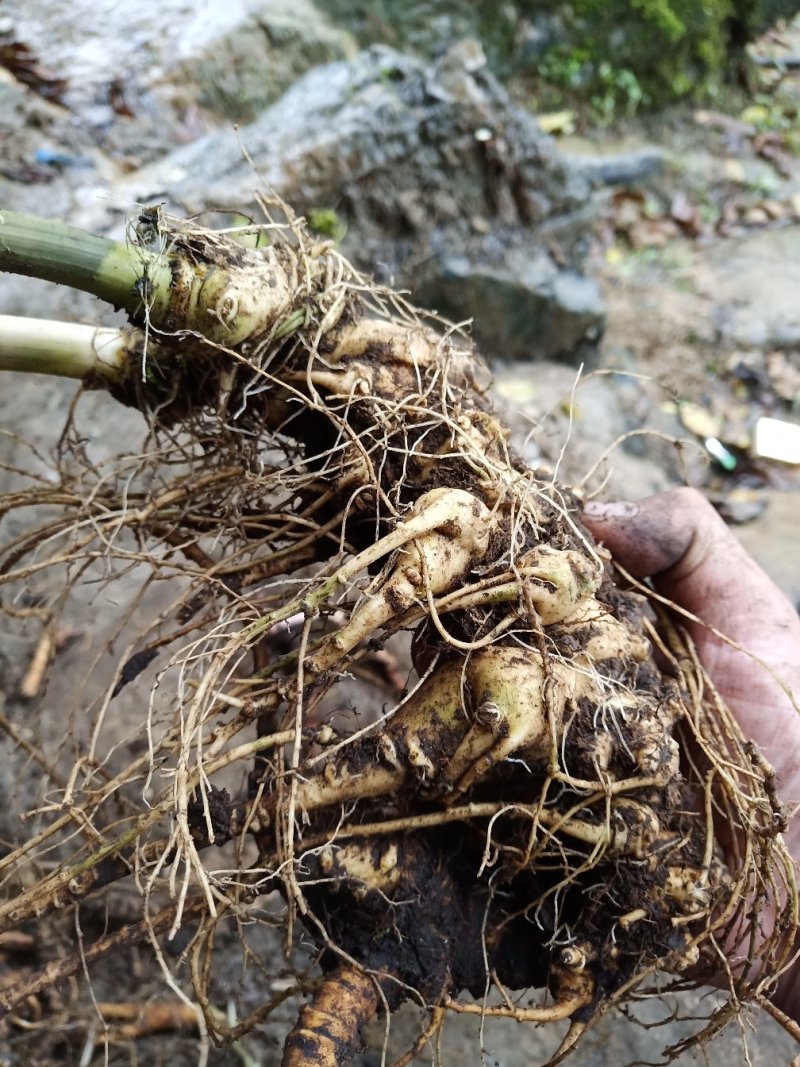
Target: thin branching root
x,y
539,809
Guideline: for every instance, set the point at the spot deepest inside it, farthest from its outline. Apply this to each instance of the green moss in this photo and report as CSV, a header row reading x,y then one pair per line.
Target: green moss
x,y
647,51
661,14
326,222
671,49
621,55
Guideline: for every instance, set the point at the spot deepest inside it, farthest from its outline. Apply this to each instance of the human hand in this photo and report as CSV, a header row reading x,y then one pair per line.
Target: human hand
x,y
678,541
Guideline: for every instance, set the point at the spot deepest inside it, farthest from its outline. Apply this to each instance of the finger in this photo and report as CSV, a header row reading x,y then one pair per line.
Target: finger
x,y
646,537
693,559
678,539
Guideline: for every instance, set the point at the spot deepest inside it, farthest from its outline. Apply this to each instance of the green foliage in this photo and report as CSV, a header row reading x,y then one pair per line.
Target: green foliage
x,y
619,91
612,91
620,55
326,222
776,112
565,66
625,55
660,14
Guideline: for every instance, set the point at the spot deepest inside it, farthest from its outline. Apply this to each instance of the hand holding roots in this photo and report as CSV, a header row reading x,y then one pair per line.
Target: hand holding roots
x,y
541,808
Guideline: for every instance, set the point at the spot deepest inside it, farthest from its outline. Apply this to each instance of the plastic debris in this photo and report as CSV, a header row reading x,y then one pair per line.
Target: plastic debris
x,y
54,158
720,453
777,439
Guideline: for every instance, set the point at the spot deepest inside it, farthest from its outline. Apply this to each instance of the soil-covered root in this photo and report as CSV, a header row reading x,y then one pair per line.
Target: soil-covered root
x,y
536,810
328,1031
613,814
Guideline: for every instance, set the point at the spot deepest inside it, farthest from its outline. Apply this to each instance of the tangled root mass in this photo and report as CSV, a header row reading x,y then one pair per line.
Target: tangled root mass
x,y
535,809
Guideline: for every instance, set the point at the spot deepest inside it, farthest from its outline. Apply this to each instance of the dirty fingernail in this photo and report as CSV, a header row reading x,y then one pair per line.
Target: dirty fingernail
x,y
611,510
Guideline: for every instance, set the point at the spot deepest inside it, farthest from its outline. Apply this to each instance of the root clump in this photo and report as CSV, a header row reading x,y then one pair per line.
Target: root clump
x,y
537,808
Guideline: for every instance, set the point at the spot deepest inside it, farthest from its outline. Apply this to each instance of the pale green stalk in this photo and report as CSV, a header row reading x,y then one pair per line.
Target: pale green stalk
x,y
72,350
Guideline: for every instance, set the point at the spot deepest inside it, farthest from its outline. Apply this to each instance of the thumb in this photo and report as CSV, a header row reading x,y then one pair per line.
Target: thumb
x,y
678,540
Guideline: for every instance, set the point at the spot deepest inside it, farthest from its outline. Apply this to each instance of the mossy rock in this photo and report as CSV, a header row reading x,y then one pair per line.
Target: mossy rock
x,y
619,54
249,68
430,28
624,54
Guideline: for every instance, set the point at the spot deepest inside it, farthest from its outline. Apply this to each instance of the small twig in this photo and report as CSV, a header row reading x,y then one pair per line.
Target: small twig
x,y
40,661
559,1010
296,894
790,1025
16,941
140,1020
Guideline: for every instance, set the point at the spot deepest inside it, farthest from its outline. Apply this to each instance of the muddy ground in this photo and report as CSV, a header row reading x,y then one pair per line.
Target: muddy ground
x,y
699,311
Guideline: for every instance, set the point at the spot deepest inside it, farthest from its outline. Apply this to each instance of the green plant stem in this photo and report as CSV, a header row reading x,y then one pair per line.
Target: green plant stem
x,y
212,285
44,248
72,350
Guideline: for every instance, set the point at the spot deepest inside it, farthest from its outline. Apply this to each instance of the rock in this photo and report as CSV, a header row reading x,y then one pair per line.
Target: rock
x,y
623,168
443,183
424,166
144,77
239,74
523,305
741,505
769,315
617,54
512,39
